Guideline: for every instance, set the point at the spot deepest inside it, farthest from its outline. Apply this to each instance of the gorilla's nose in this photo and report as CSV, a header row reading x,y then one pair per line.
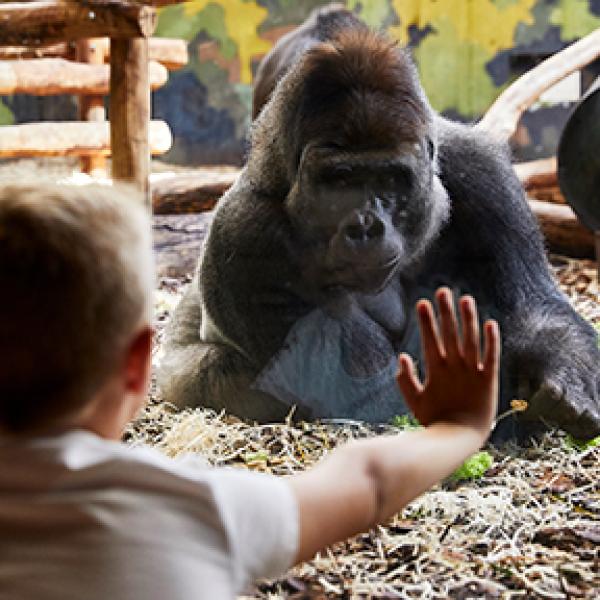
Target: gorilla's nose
x,y
363,227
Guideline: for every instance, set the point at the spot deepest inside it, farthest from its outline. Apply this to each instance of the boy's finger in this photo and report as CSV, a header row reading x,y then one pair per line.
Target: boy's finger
x,y
407,378
492,347
449,325
470,330
431,343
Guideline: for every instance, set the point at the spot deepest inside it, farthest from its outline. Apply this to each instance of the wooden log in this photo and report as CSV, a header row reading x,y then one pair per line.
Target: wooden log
x,y
43,22
70,138
159,3
130,112
91,108
537,173
502,118
547,194
193,192
52,76
199,191
562,230
60,50
171,53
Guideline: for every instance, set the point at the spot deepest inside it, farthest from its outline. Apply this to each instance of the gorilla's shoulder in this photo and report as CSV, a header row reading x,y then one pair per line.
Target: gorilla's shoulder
x,y
459,143
248,223
472,161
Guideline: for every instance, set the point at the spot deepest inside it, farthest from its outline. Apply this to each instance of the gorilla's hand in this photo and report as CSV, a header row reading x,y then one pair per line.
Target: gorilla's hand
x,y
569,397
558,368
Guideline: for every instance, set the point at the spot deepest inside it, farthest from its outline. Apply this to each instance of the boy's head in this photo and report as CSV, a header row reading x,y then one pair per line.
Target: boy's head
x,y
76,275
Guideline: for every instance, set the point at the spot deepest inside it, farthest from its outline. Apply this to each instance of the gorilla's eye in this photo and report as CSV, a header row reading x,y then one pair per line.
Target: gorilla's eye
x,y
387,201
430,149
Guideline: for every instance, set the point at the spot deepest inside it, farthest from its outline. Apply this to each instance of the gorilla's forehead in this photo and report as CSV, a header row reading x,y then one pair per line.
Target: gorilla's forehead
x,y
332,159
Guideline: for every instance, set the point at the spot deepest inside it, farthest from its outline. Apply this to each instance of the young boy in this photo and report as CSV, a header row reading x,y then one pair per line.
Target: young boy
x,y
83,516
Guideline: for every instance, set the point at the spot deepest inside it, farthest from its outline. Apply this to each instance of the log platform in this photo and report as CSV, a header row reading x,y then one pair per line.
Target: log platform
x,y
45,31
71,138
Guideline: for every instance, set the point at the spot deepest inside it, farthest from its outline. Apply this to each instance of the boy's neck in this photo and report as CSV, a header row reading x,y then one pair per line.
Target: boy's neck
x,y
105,415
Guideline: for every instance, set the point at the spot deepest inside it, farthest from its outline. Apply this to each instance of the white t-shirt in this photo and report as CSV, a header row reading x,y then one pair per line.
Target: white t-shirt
x,y
86,518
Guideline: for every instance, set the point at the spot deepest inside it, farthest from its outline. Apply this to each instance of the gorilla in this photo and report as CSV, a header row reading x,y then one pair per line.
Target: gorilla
x,y
356,200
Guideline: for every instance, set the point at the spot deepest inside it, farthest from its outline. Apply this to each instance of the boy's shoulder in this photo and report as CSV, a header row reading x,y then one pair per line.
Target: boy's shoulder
x,y
220,522
80,454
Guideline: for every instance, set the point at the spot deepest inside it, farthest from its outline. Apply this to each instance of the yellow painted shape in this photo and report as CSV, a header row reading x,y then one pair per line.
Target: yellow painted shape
x,y
479,22
453,74
241,21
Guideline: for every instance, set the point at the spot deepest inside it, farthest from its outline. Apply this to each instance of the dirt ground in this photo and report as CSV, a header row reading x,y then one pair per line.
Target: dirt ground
x,y
529,527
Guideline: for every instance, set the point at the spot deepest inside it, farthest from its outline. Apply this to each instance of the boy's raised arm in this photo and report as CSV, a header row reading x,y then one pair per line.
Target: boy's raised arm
x,y
368,481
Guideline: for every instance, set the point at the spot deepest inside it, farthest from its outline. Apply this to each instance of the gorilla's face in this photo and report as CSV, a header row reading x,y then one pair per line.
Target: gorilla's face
x,y
364,215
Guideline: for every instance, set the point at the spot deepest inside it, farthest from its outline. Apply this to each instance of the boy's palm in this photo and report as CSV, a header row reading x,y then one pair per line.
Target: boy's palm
x,y
461,385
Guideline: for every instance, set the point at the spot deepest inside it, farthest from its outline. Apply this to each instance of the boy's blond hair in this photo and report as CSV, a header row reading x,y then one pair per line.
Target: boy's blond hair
x,y
76,275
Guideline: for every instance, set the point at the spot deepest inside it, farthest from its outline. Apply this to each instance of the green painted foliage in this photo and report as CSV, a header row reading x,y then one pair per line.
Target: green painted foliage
x,y
502,4
461,47
174,23
575,18
373,12
6,116
439,56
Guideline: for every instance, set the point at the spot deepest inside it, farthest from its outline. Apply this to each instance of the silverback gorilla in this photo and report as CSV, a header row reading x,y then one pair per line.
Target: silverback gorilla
x,y
356,200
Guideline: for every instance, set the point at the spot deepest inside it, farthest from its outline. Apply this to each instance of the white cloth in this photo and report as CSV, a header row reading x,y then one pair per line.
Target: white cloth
x,y
83,517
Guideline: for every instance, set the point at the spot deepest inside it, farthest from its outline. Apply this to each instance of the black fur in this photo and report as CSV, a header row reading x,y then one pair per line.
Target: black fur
x,y
288,314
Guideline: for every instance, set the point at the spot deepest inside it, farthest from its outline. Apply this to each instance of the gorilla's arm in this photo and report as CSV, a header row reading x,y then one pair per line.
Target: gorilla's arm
x,y
243,289
249,274
493,244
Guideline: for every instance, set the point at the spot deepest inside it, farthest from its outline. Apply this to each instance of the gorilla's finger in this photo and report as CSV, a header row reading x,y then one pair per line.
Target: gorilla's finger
x,y
449,325
431,343
470,330
491,358
407,379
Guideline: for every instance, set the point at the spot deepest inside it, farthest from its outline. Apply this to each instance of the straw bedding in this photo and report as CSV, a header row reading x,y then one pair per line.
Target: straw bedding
x,y
528,528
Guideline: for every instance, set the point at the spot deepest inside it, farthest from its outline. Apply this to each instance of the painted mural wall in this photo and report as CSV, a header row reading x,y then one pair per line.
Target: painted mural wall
x,y
467,51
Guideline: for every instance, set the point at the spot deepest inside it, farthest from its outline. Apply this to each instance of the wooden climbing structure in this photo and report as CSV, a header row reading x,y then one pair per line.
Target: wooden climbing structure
x,y
61,47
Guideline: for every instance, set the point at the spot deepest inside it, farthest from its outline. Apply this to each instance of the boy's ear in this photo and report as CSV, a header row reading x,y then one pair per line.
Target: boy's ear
x,y
138,361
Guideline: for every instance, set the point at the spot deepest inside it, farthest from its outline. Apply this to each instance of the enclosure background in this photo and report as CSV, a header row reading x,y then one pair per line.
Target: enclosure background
x,y
467,51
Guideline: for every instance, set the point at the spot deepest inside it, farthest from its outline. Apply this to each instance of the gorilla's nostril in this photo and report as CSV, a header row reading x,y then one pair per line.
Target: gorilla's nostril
x,y
364,227
355,232
376,229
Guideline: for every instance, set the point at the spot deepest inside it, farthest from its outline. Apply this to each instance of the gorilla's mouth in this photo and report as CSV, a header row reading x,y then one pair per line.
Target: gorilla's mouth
x,y
361,277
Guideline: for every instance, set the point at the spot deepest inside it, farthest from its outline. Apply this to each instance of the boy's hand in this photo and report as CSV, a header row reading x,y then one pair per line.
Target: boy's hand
x,y
370,480
461,386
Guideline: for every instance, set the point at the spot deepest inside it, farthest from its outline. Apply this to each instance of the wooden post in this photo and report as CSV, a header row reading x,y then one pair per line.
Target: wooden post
x,y
130,112
91,108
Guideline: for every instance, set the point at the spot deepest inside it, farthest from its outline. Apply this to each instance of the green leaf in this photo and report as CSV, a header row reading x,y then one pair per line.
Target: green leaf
x,y
405,422
254,457
581,445
474,467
